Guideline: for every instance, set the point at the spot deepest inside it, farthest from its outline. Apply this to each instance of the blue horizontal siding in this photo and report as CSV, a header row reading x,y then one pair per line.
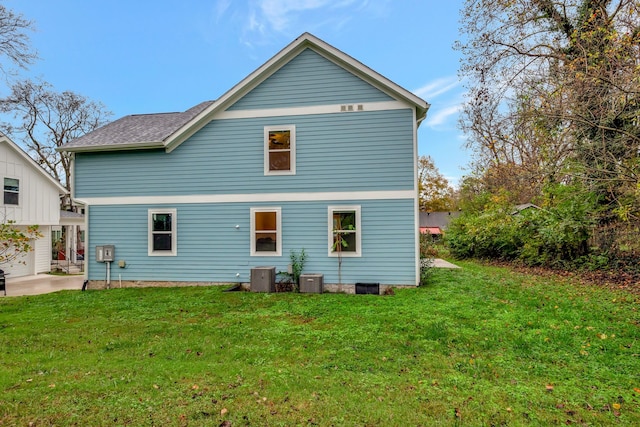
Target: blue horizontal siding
x,y
309,79
366,150
210,248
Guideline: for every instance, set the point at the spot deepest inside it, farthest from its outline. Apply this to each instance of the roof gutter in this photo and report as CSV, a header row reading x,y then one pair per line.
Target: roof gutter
x,y
118,147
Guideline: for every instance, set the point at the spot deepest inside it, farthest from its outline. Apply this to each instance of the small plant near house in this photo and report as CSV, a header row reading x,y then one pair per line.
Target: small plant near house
x,y
289,281
297,264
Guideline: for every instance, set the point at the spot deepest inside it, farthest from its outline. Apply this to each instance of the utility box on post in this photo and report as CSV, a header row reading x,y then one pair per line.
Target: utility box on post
x,y
105,253
311,283
263,279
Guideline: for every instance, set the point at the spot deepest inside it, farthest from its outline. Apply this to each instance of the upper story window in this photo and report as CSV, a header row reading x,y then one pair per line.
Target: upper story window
x,y
11,191
344,231
266,234
280,150
162,232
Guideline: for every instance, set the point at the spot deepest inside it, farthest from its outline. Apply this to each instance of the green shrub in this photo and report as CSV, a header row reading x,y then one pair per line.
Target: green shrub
x,y
555,235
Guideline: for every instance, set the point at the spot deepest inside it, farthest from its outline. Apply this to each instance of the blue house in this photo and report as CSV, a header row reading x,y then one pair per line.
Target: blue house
x,y
311,149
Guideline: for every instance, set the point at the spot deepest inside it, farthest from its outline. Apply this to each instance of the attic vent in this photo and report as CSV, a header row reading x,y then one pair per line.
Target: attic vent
x,y
351,107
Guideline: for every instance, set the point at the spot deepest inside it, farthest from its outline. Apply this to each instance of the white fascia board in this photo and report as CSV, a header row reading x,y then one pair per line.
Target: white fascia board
x,y
369,75
306,40
250,198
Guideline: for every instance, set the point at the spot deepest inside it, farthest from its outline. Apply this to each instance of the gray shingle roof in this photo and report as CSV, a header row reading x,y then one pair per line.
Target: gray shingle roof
x,y
138,129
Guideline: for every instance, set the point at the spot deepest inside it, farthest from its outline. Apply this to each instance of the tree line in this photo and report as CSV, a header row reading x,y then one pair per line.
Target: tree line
x,y
553,104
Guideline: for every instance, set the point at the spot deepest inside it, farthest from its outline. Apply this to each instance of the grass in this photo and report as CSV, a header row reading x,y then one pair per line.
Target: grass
x,y
477,346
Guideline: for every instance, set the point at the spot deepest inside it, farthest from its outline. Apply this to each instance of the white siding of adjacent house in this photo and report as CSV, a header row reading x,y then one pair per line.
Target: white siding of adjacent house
x,y
43,251
39,201
39,204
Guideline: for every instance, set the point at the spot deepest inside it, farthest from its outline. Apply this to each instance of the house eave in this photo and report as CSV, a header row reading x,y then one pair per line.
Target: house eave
x,y
61,189
116,147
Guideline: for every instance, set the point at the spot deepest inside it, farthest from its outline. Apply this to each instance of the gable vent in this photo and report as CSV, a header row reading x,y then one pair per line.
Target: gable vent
x,y
351,107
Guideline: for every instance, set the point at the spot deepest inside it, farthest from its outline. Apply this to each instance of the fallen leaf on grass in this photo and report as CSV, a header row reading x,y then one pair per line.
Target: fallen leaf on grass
x,y
616,406
224,411
636,389
52,385
549,387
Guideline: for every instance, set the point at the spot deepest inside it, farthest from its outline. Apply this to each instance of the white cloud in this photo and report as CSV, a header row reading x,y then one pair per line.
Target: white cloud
x,y
441,116
437,87
287,16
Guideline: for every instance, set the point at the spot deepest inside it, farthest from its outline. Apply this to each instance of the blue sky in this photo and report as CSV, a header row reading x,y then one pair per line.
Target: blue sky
x,y
146,56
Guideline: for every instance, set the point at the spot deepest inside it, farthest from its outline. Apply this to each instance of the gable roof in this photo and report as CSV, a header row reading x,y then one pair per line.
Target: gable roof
x,y
136,131
169,130
4,139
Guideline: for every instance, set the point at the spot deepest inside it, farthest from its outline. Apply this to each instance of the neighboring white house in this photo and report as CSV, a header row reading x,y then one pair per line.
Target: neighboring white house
x,y
30,197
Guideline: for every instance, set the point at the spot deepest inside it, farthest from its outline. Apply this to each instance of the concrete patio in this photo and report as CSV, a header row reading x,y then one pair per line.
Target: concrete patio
x,y
41,284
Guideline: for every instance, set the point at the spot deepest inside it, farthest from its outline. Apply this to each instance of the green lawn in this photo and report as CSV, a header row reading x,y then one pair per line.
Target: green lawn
x,y
478,346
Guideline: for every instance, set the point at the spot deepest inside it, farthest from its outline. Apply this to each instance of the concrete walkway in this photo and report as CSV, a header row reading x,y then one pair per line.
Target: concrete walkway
x,y
440,263
41,284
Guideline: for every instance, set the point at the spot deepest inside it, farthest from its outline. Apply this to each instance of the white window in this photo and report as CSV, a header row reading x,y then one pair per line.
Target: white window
x,y
280,150
345,231
266,234
163,232
11,191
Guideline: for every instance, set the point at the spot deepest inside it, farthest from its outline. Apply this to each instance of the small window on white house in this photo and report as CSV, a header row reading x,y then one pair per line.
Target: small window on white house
x,y
163,232
344,231
266,234
280,150
11,191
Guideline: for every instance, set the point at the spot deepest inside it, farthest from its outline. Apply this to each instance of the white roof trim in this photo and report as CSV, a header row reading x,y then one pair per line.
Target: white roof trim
x,y
306,40
30,161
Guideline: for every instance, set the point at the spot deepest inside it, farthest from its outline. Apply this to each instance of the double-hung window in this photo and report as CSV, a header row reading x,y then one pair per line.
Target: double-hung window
x,y
266,232
280,150
162,232
11,191
344,231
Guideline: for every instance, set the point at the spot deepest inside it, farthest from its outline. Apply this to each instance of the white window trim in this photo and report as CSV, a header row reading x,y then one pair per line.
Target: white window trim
x,y
174,232
292,149
356,209
278,212
11,191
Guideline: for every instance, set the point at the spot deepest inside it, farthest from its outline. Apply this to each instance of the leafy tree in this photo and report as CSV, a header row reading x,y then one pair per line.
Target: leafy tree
x,y
553,94
14,40
47,119
15,241
435,193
